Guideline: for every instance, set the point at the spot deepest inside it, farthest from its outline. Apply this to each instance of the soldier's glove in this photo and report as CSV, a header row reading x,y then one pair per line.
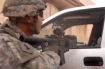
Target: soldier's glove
x,y
54,48
57,50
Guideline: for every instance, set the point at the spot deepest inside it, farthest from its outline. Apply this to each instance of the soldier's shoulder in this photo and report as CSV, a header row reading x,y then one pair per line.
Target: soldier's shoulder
x,y
7,53
7,37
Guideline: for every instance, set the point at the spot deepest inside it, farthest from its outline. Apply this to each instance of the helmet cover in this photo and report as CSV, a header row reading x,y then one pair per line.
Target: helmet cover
x,y
20,8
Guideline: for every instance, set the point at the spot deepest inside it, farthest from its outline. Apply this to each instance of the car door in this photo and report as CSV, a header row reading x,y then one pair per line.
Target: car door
x,y
87,25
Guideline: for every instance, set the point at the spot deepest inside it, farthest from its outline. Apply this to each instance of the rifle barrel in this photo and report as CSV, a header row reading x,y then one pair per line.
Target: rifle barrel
x,y
35,39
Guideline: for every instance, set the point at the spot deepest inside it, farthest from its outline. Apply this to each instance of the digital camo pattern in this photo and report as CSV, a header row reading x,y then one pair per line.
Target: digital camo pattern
x,y
20,8
10,58
49,61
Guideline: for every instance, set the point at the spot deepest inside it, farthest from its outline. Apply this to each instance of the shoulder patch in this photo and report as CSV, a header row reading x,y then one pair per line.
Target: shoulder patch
x,y
26,47
26,51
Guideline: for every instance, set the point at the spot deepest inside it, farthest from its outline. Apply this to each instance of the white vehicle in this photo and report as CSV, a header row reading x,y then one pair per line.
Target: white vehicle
x,y
90,54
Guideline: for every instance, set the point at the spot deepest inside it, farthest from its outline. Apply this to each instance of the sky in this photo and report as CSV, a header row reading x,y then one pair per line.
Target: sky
x,y
99,2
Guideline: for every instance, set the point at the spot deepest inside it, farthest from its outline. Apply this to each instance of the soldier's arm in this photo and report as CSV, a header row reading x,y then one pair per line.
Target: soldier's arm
x,y
44,60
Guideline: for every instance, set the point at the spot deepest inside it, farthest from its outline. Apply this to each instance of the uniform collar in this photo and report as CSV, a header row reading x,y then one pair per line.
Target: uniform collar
x,y
12,29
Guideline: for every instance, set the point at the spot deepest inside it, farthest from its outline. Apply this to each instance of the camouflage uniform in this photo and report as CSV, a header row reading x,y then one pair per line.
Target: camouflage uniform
x,y
11,58
15,54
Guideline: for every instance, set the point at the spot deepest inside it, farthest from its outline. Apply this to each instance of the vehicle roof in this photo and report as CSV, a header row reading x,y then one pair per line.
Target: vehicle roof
x,y
72,9
72,21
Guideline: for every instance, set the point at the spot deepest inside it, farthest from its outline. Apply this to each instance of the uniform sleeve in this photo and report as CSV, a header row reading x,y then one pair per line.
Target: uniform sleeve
x,y
46,60
7,59
10,58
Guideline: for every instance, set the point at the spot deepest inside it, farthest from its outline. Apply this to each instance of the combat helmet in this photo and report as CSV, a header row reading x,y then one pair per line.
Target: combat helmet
x,y
20,8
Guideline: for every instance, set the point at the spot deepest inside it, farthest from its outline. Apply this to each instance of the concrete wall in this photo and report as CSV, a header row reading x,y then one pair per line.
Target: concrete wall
x,y
2,18
50,10
86,2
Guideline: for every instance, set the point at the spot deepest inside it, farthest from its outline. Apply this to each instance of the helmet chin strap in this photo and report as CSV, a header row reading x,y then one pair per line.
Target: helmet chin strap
x,y
33,25
36,32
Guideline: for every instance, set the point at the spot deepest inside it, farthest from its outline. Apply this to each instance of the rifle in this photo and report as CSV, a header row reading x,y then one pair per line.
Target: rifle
x,y
58,39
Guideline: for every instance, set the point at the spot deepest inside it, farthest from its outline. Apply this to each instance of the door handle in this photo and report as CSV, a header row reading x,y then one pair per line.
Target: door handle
x,y
93,61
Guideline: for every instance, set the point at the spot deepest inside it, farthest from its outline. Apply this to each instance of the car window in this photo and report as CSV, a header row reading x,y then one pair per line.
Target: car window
x,y
82,32
84,26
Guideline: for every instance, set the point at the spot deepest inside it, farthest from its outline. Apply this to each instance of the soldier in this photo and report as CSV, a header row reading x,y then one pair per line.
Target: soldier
x,y
24,18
